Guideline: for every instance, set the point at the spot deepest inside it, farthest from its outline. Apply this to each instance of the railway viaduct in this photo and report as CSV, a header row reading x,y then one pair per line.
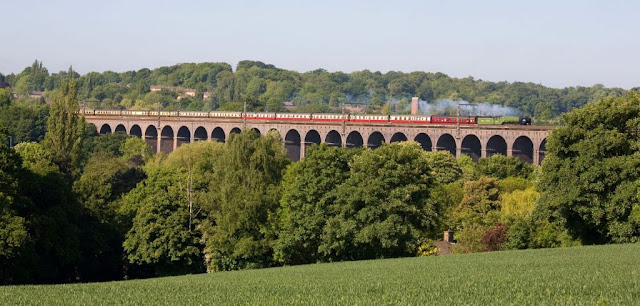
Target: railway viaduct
x,y
165,134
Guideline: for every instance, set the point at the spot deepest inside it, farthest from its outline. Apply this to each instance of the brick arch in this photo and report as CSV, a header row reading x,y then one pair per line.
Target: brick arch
x,y
471,146
151,137
105,129
292,142
136,131
354,140
542,151
375,140
424,140
183,136
522,148
446,142
398,137
166,139
218,134
120,128
333,139
496,145
200,134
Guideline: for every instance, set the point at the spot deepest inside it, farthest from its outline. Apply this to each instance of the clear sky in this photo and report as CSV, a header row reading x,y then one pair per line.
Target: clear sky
x,y
555,43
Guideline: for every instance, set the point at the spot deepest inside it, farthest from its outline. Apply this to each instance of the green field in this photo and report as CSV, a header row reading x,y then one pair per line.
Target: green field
x,y
604,275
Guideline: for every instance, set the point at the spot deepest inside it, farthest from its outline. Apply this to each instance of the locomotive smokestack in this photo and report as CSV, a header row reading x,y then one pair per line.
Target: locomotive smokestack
x,y
414,105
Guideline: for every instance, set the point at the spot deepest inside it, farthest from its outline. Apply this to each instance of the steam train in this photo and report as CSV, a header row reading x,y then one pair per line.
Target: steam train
x,y
418,119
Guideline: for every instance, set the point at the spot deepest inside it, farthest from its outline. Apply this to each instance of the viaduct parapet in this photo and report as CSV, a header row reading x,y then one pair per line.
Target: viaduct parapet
x,y
166,133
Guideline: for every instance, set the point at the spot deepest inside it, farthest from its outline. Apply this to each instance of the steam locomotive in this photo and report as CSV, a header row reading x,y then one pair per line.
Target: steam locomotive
x,y
418,119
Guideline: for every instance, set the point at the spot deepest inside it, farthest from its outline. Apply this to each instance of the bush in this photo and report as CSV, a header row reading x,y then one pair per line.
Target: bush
x,y
494,237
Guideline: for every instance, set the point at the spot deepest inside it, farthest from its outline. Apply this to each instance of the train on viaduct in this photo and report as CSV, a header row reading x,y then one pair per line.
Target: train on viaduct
x,y
165,131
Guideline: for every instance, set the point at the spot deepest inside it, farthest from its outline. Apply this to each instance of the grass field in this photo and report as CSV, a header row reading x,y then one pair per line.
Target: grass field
x,y
595,275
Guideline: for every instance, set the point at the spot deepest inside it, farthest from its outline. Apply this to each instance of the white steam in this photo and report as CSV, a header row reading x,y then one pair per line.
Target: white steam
x,y
449,107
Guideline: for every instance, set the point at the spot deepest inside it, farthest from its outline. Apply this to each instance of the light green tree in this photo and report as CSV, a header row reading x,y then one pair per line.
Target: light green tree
x,y
65,130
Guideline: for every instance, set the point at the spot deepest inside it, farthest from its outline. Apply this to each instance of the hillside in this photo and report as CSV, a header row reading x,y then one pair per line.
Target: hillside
x,y
579,275
207,86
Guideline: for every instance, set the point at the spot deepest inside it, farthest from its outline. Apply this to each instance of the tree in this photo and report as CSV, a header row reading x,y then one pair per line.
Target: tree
x,y
383,209
159,235
65,130
444,166
13,227
589,177
500,166
478,210
135,148
243,198
309,192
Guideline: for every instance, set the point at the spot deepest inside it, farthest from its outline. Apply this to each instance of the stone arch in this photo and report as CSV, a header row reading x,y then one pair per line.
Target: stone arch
x,y
200,134
135,131
218,134
354,140
105,129
151,137
496,145
166,139
446,142
376,139
235,130
256,130
542,151
523,149
398,137
120,128
184,136
312,137
425,141
471,146
292,144
333,139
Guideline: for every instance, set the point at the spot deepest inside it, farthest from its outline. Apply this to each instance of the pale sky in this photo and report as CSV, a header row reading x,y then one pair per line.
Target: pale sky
x,y
555,43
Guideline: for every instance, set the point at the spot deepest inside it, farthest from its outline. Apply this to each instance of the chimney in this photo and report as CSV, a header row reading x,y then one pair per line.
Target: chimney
x,y
414,105
448,236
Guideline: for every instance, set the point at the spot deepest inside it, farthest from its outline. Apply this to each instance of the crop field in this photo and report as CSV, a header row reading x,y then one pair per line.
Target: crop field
x,y
603,275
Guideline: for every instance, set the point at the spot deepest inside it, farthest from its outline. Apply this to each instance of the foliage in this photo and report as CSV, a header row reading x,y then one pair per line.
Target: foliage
x,y
468,167
427,250
242,202
494,237
519,203
309,191
104,180
511,184
159,234
444,166
500,166
135,148
25,120
13,228
317,91
383,208
590,172
65,130
481,203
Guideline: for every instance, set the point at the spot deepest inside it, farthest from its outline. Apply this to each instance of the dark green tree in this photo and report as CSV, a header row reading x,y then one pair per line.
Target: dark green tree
x,y
590,174
384,208
309,192
500,166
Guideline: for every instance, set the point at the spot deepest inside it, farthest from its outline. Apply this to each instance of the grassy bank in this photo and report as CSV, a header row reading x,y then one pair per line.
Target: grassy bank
x,y
580,275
